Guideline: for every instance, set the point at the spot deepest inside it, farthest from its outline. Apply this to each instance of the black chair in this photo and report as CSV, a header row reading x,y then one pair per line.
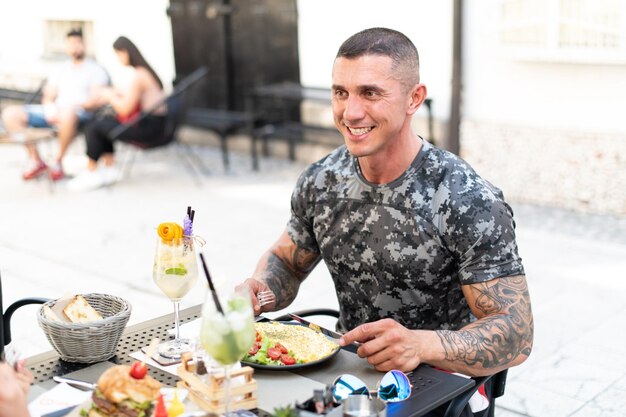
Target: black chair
x,y
456,406
177,105
496,386
224,123
5,317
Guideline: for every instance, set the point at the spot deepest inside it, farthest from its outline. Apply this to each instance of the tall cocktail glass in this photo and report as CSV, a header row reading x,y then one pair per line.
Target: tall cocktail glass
x,y
175,273
227,337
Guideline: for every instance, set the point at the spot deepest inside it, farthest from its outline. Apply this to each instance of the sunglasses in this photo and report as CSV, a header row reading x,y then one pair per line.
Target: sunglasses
x,y
394,386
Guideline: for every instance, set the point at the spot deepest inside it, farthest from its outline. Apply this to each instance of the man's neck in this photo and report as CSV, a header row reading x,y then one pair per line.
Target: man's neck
x,y
385,167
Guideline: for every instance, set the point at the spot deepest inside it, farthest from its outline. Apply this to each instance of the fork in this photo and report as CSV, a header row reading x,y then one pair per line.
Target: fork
x,y
11,356
265,297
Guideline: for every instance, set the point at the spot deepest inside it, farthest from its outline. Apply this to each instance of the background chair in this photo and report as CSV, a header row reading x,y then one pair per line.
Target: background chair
x,y
177,106
5,317
496,385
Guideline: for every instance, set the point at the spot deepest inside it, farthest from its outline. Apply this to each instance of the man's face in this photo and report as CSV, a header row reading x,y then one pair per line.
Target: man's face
x,y
75,47
369,106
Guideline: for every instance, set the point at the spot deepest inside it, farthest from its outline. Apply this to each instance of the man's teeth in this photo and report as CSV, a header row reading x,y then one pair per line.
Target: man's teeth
x,y
359,131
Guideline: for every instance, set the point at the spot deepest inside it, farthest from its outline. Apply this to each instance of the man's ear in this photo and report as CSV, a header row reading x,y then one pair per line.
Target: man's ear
x,y
416,97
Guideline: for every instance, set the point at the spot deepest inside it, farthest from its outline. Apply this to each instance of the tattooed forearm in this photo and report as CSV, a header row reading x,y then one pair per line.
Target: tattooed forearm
x,y
503,336
284,276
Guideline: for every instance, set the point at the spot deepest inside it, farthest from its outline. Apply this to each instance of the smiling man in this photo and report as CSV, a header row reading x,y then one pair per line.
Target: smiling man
x,y
421,249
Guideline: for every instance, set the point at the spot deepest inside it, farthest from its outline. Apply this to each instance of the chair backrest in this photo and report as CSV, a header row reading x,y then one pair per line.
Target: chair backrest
x,y
5,316
1,321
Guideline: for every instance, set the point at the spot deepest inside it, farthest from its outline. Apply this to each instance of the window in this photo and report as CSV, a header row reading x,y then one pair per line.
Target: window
x,y
592,31
55,32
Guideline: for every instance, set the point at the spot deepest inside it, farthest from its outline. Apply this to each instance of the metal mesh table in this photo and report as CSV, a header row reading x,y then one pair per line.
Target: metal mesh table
x,y
46,365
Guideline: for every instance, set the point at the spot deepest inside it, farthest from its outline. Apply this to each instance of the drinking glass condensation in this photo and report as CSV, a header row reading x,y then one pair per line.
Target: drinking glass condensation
x,y
175,273
227,337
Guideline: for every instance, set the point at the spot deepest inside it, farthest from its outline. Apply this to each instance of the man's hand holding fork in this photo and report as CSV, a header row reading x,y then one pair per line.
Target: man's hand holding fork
x,y
261,297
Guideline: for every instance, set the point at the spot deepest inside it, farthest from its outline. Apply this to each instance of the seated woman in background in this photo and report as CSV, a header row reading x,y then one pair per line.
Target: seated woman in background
x,y
144,91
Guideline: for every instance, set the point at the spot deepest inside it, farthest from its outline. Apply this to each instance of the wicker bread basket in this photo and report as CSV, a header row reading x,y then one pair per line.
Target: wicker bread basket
x,y
89,342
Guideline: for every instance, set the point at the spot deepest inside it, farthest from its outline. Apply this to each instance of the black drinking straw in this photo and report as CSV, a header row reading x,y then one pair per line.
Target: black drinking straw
x,y
211,287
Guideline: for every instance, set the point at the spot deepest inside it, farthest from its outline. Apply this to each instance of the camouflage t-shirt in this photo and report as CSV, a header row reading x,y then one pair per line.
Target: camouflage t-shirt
x,y
402,250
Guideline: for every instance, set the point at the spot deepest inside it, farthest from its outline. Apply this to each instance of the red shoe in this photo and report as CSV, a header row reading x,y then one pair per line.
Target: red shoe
x,y
35,171
56,172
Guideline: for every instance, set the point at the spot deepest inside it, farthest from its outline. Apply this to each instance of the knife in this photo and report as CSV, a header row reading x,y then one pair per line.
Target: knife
x,y
75,383
319,329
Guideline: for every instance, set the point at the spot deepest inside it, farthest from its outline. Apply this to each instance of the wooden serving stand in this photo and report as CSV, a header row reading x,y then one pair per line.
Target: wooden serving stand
x,y
209,395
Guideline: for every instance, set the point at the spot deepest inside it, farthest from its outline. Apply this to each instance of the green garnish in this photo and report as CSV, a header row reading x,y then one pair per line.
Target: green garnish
x,y
179,270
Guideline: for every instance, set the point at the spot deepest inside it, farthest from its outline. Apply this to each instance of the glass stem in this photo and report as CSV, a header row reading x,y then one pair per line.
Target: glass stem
x,y
176,319
227,390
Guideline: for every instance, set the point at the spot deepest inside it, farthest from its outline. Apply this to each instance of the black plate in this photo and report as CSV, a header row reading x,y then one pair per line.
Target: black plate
x,y
296,366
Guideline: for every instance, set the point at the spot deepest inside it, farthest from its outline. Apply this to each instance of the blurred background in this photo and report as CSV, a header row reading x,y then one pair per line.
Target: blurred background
x,y
530,92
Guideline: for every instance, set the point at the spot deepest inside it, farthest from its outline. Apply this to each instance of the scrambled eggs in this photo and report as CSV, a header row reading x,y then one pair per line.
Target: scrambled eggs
x,y
307,345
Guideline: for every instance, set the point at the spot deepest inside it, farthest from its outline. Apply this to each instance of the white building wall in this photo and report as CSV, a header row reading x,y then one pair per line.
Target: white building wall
x,y
545,129
143,21
500,86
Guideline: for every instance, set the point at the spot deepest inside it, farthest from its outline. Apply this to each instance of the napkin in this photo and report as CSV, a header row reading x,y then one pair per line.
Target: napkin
x,y
189,330
60,397
139,355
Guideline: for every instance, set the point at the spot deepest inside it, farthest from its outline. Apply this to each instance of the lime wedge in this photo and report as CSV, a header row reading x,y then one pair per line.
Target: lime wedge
x,y
176,271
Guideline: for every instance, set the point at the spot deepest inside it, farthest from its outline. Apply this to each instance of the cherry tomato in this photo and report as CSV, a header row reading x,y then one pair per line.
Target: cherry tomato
x,y
138,370
259,337
282,349
287,359
273,353
253,350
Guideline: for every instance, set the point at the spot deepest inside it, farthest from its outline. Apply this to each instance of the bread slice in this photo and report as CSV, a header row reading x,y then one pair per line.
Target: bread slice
x,y
59,305
49,314
79,311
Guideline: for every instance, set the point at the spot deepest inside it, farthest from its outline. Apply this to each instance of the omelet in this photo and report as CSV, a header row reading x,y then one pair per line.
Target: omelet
x,y
307,345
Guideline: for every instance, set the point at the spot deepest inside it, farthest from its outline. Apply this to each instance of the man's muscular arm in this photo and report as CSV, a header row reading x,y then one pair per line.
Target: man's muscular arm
x,y
503,334
283,267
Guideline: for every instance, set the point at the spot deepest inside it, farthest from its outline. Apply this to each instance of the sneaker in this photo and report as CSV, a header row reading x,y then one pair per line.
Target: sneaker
x,y
110,175
56,172
35,170
86,181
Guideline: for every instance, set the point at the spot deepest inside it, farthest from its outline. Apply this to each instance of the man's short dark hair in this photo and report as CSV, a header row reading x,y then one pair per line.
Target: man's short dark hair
x,y
385,42
75,32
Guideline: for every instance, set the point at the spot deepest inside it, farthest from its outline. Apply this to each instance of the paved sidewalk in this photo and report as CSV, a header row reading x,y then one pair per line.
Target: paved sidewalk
x,y
103,241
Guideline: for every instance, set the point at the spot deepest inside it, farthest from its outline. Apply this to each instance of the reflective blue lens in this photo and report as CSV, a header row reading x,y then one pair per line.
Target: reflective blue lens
x,y
347,385
394,386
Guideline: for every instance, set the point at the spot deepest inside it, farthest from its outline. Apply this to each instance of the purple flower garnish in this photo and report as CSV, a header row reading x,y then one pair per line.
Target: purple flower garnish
x,y
187,226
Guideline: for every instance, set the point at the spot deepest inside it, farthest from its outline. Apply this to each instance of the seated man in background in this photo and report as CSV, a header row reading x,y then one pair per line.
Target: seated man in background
x,y
69,98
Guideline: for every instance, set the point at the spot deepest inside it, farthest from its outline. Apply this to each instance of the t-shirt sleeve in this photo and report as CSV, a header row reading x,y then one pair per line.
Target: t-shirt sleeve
x,y
480,232
300,225
99,76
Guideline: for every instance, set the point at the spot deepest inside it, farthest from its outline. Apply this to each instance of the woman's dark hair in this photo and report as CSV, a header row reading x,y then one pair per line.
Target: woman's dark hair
x,y
135,59
385,42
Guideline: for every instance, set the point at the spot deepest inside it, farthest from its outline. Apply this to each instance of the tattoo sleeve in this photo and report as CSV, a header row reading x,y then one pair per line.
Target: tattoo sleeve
x,y
502,335
285,270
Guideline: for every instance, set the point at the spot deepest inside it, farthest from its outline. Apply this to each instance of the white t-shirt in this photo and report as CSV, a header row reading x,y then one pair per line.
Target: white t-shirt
x,y
74,83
